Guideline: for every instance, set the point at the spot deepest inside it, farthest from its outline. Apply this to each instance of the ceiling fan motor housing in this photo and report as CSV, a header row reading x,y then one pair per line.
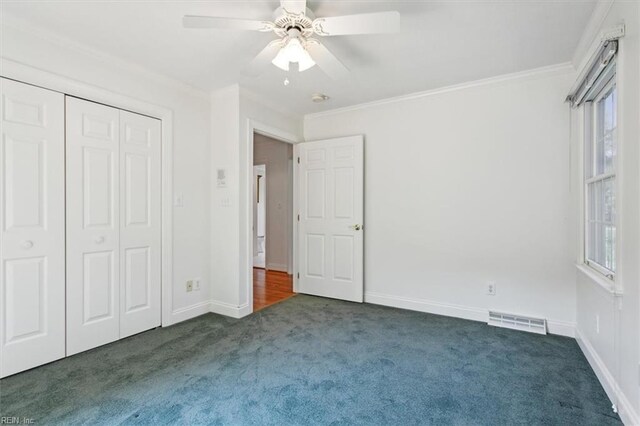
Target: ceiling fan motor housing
x,y
285,21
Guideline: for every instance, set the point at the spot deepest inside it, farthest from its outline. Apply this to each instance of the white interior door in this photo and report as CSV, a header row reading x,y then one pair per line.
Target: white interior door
x,y
140,227
93,261
330,203
32,330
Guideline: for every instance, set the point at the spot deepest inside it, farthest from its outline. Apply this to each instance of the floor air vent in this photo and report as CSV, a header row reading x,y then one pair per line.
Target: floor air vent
x,y
518,322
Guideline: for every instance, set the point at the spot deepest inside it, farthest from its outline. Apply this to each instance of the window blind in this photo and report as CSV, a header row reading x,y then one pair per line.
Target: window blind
x,y
595,73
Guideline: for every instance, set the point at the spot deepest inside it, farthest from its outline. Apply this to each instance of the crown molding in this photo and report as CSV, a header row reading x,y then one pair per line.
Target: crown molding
x,y
20,25
547,71
591,32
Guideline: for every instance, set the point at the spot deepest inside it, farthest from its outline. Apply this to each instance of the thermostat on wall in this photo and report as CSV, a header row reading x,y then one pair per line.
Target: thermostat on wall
x,y
221,178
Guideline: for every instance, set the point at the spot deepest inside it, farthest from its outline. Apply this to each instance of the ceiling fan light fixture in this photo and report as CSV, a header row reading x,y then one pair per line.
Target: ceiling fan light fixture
x,y
281,60
293,51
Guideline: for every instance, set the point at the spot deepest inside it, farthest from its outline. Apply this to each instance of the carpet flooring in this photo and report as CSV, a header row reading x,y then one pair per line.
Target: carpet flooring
x,y
310,360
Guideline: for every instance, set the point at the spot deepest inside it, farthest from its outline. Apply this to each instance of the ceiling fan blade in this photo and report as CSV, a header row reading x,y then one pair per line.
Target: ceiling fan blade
x,y
263,60
195,21
325,60
365,23
294,6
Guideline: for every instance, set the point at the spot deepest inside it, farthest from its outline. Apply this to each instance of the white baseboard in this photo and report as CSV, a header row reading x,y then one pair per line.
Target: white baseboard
x,y
208,306
451,310
423,305
562,328
244,310
277,267
229,310
189,312
608,381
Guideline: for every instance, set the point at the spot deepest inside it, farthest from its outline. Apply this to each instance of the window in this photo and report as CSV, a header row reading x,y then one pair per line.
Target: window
x,y
600,180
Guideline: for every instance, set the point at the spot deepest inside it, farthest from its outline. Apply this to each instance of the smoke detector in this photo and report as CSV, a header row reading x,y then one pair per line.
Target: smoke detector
x,y
319,97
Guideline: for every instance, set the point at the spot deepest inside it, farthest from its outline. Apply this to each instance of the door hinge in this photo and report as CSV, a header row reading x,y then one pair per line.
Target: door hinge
x,y
298,275
298,160
298,218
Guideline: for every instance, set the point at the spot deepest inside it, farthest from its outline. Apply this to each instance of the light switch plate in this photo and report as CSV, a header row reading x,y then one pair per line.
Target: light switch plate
x,y
221,177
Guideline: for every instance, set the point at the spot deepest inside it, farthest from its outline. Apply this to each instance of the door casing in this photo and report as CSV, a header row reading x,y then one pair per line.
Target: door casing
x,y
254,126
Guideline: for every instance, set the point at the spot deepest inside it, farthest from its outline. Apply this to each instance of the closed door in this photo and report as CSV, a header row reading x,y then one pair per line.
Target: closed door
x,y
113,224
330,230
93,225
140,227
32,324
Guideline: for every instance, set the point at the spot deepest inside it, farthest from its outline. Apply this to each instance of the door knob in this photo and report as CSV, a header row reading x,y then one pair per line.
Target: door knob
x,y
356,227
99,240
27,244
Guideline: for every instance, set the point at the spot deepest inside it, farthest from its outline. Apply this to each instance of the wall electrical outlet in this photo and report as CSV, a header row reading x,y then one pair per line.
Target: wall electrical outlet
x,y
491,288
193,285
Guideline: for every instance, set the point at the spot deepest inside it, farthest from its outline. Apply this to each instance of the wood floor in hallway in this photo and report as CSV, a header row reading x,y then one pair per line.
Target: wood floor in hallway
x,y
270,287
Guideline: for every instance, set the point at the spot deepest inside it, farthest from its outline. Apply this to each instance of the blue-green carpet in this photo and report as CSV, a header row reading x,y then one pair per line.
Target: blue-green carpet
x,y
310,360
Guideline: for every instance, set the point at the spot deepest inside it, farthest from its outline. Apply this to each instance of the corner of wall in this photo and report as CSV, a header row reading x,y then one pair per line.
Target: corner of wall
x,y
625,408
591,32
224,210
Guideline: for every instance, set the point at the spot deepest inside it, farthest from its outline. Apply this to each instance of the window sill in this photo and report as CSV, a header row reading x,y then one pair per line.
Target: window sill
x,y
606,284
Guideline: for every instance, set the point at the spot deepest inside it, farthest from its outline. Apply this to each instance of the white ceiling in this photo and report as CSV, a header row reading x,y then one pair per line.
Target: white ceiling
x,y
441,43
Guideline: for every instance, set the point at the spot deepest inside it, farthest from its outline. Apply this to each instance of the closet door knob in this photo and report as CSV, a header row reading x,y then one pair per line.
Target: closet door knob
x,y
27,244
99,240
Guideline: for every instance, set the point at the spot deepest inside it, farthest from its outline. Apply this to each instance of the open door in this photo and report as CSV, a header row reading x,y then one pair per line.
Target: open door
x,y
330,206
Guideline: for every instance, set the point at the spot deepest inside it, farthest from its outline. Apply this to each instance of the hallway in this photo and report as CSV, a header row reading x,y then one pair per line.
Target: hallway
x,y
270,287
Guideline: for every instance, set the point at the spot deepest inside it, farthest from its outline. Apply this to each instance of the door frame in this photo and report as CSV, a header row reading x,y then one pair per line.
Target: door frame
x,y
254,208
254,126
67,86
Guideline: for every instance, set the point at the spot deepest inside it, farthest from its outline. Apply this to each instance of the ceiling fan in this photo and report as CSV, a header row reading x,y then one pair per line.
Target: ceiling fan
x,y
295,25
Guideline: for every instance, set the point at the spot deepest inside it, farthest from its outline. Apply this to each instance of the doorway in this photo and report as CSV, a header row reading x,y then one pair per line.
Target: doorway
x,y
272,221
259,216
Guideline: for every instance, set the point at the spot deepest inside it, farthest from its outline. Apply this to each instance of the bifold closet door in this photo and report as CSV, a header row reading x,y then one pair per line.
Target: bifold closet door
x,y
140,223
32,324
93,225
113,224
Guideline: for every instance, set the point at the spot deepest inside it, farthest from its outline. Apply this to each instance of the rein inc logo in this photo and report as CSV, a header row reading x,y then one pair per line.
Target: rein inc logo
x,y
6,420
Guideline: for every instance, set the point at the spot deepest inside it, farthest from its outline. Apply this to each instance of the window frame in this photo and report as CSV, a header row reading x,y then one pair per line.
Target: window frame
x,y
590,159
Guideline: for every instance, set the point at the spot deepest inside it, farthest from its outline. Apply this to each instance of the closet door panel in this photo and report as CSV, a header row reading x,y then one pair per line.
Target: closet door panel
x,y
32,276
140,226
93,225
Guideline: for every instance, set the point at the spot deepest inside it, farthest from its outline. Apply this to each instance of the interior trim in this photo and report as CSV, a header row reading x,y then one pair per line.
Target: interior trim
x,y
597,279
609,383
562,328
562,68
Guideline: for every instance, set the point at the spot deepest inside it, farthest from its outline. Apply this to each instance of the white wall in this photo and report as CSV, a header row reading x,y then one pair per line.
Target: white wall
x,y
614,350
225,225
465,186
277,157
33,47
232,113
